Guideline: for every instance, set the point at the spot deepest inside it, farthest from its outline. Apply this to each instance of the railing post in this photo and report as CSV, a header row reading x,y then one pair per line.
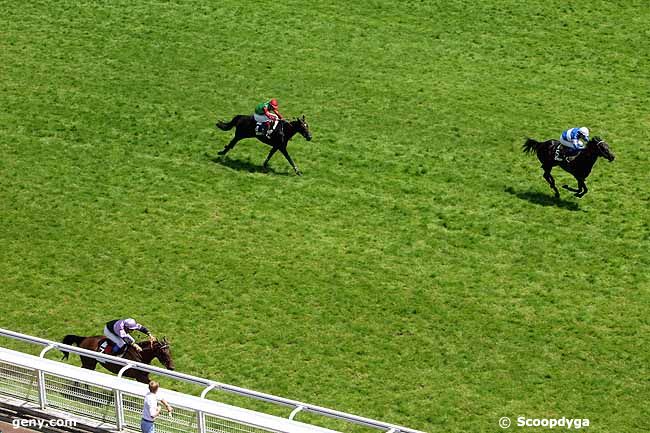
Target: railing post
x,y
208,389
200,420
42,396
46,349
295,412
119,410
119,407
123,369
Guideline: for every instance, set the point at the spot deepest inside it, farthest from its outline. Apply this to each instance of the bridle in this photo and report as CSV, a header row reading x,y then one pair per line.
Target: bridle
x,y
303,128
158,345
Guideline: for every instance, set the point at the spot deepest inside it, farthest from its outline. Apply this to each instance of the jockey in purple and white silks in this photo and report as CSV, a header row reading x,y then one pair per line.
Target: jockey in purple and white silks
x,y
573,141
118,332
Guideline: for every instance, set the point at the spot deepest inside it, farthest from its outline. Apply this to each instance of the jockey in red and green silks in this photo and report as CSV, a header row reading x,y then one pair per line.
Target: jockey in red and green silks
x,y
267,112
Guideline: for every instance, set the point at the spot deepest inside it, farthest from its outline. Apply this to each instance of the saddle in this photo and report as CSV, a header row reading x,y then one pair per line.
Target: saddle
x,y
261,128
564,154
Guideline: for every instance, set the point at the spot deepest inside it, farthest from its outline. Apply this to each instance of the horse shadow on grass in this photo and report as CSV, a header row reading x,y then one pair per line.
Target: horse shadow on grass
x,y
240,165
542,199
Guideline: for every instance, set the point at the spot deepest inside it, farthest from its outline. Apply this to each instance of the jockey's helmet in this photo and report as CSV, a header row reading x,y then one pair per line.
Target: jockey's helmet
x,y
130,323
274,103
584,132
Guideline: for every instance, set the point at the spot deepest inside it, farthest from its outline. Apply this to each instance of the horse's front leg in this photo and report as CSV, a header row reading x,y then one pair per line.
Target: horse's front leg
x,y
582,187
229,146
286,155
142,377
576,190
551,182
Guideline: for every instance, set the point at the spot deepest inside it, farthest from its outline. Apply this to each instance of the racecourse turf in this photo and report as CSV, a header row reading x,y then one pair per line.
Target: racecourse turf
x,y
420,272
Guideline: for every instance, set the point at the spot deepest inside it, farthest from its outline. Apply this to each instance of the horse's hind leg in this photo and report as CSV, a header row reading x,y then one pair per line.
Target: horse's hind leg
x,y
268,158
551,182
229,146
568,188
88,363
582,187
577,191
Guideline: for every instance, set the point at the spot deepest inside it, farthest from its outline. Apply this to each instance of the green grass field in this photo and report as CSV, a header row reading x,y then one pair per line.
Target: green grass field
x,y
419,272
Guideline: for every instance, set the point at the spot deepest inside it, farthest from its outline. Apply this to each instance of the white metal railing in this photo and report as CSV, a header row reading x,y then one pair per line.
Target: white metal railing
x,y
114,403
202,424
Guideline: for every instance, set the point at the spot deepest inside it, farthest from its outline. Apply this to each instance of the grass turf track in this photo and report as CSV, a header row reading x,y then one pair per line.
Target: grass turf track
x,y
419,273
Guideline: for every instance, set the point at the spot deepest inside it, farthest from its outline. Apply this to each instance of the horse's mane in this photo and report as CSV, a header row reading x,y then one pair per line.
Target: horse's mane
x,y
148,345
291,122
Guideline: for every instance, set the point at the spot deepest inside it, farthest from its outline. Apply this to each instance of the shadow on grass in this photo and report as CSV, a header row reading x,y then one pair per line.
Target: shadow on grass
x,y
239,165
543,199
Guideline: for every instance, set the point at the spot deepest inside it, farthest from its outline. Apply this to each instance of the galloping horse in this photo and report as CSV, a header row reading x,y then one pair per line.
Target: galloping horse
x,y
245,128
580,167
150,350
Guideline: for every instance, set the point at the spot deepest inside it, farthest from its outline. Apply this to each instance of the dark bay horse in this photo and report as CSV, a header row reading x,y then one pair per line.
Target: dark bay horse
x,y
245,128
580,167
150,350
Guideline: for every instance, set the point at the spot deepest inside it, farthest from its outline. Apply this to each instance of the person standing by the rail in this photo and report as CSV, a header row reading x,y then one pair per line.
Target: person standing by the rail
x,y
151,410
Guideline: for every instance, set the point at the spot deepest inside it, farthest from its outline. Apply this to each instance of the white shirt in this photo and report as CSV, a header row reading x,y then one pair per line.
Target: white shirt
x,y
150,408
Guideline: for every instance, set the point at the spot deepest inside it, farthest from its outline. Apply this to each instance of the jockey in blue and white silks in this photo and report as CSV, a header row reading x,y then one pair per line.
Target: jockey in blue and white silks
x,y
573,141
118,332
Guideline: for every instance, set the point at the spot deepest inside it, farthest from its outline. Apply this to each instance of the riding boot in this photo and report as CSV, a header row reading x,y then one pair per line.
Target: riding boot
x,y
120,352
269,130
559,154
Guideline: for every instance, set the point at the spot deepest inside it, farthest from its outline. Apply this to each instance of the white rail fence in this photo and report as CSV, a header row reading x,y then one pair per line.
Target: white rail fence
x,y
114,403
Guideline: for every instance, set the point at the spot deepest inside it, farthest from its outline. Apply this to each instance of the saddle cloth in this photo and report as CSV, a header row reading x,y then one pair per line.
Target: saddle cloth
x,y
105,346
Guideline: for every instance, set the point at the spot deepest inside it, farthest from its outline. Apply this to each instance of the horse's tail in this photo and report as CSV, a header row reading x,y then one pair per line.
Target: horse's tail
x,y
71,340
530,146
226,126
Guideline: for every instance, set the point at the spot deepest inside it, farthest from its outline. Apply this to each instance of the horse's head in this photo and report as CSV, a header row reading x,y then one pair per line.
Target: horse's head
x,y
602,148
163,353
302,127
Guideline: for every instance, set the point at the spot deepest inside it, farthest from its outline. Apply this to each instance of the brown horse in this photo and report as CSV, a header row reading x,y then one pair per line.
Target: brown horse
x,y
580,167
150,350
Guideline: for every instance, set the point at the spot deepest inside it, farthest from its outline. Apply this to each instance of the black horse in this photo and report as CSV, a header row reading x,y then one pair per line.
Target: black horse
x,y
580,167
245,128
